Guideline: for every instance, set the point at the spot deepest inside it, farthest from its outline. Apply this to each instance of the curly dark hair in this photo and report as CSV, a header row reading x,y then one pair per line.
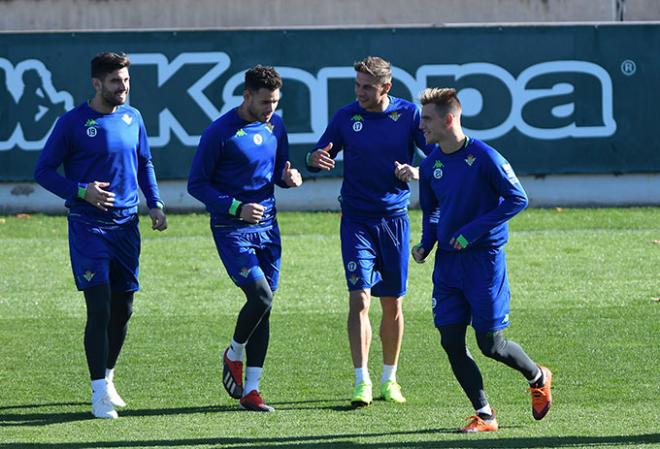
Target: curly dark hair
x,y
262,77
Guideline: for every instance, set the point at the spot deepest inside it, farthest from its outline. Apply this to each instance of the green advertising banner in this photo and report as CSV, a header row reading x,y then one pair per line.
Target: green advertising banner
x,y
552,99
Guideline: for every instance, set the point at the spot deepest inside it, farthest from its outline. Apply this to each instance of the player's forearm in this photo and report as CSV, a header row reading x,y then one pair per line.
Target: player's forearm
x,y
148,184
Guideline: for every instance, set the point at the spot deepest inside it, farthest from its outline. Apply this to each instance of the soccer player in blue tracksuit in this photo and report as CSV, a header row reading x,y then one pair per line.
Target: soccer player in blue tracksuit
x,y
468,192
378,134
240,158
103,147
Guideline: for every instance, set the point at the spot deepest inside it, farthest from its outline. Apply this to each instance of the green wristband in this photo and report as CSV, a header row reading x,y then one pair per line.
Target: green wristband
x,y
234,207
308,159
82,190
462,241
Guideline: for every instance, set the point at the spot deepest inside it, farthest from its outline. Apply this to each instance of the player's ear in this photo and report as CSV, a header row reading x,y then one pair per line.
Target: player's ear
x,y
247,95
97,83
387,87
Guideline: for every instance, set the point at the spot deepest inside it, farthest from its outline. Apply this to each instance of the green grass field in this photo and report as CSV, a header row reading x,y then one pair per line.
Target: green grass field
x,y
585,286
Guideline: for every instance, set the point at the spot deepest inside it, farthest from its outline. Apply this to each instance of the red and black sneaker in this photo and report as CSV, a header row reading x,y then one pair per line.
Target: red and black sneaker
x,y
254,403
232,376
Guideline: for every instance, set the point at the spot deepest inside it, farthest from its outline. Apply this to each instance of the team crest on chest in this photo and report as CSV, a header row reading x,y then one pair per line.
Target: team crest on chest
x,y
127,119
394,116
470,160
257,139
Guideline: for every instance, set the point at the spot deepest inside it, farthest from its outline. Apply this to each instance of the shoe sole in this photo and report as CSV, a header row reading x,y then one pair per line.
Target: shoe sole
x,y
265,409
359,404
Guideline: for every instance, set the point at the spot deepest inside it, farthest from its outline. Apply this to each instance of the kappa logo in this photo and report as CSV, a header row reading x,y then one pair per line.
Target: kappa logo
x,y
31,104
546,101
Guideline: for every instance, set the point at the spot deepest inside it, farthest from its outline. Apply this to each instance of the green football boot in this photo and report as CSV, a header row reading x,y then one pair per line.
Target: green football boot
x,y
361,395
391,392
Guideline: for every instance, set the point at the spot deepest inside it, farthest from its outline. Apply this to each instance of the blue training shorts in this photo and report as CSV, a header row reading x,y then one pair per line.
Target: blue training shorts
x,y
104,253
375,252
471,287
248,256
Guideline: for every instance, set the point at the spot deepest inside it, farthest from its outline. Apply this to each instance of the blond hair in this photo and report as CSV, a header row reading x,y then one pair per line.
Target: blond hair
x,y
445,100
376,67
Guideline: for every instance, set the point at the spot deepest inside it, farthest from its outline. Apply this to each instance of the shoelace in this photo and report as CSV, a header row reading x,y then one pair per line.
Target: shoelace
x,y
474,421
537,392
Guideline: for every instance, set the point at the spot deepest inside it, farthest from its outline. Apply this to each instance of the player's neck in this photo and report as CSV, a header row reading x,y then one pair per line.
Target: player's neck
x,y
454,143
101,106
381,106
245,114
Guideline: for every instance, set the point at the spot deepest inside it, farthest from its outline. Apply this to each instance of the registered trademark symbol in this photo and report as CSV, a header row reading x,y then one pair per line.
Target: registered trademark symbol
x,y
628,67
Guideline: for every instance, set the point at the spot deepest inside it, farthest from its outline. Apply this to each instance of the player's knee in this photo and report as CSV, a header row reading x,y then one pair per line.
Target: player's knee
x,y
97,299
491,344
259,294
453,343
122,307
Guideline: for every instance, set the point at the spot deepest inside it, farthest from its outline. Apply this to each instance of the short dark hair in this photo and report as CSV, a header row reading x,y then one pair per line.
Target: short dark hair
x,y
262,77
107,62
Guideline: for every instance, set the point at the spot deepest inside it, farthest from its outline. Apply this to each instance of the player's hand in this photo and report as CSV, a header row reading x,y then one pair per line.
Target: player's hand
x,y
97,197
158,219
418,253
291,176
405,172
321,158
252,212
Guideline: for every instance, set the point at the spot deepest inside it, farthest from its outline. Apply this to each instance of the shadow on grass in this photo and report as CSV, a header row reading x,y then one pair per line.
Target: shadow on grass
x,y
343,441
45,419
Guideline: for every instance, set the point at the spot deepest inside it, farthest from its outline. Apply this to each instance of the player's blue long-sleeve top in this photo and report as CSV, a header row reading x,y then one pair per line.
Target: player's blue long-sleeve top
x,y
372,142
472,192
239,162
92,147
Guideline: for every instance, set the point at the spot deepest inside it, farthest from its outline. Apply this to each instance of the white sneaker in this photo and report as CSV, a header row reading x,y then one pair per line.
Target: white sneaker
x,y
114,397
102,408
